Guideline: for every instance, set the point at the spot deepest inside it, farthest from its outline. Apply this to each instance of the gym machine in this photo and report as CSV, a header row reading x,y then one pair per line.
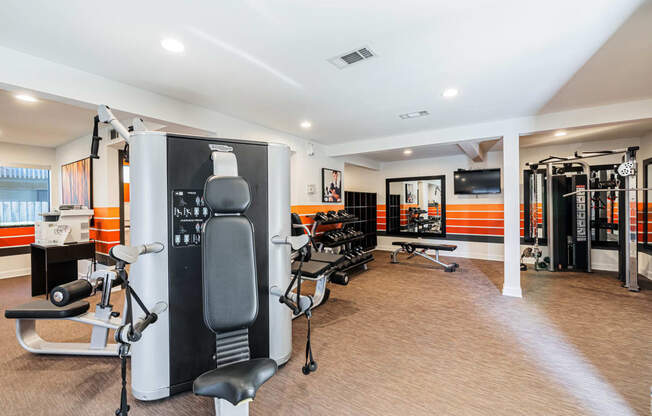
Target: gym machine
x,y
569,191
168,174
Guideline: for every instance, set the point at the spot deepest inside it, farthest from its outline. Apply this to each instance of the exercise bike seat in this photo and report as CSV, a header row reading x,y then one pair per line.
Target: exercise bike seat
x,y
44,309
235,382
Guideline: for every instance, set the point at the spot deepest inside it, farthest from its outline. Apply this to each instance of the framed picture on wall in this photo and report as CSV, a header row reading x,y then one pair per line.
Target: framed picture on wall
x,y
409,194
331,180
77,183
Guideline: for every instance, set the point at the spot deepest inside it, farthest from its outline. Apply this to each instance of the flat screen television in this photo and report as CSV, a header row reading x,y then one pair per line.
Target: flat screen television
x,y
474,182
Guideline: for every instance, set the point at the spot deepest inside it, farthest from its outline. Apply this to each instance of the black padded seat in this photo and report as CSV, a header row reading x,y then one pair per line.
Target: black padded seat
x,y
235,382
310,268
442,247
330,258
44,309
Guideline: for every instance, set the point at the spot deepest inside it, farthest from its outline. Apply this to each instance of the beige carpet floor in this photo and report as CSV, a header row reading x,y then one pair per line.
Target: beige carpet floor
x,y
404,339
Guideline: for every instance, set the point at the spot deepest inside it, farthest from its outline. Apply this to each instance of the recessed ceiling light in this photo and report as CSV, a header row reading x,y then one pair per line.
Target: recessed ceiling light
x,y
414,115
306,124
26,97
172,45
407,151
560,133
450,93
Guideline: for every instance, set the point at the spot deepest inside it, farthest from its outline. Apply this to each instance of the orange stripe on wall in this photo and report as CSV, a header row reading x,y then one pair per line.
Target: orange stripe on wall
x,y
107,224
475,223
107,212
479,215
107,235
5,232
474,207
474,230
16,241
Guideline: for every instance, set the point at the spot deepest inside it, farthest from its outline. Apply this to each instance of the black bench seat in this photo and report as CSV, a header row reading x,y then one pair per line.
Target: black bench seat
x,y
427,246
330,258
310,268
44,309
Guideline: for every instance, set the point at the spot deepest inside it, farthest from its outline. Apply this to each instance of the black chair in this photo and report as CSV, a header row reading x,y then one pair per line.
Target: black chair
x,y
230,293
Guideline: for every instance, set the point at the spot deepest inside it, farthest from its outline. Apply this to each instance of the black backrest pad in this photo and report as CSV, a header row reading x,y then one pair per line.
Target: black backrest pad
x,y
227,194
230,292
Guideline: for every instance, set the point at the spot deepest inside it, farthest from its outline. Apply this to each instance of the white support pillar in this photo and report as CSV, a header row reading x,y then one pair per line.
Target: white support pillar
x,y
511,189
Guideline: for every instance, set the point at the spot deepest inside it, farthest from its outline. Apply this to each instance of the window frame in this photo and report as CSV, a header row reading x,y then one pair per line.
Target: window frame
x,y
21,166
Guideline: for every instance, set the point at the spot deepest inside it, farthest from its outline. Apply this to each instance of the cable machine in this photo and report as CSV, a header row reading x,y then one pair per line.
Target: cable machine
x,y
571,191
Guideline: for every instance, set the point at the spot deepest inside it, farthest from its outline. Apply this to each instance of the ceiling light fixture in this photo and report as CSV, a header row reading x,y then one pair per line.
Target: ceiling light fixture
x,y
450,93
560,133
172,45
306,124
407,152
26,97
414,115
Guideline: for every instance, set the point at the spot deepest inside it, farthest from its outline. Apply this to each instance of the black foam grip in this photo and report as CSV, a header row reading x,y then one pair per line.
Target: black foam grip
x,y
71,292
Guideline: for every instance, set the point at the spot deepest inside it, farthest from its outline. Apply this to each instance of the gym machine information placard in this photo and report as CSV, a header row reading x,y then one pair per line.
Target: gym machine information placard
x,y
188,214
580,212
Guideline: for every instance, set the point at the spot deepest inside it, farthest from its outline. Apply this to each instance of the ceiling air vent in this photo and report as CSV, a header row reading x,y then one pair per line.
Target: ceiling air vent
x,y
349,58
414,114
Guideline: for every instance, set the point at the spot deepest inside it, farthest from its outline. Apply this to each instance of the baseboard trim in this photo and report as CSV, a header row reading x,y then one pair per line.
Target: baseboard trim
x,y
514,292
7,274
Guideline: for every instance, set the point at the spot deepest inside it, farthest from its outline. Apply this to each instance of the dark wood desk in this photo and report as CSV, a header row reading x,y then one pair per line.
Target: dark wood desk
x,y
55,265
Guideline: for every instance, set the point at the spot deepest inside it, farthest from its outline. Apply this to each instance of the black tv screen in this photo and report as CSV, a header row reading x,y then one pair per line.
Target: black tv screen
x,y
473,182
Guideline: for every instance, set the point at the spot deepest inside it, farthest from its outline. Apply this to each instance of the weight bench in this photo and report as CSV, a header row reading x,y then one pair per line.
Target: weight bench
x,y
420,249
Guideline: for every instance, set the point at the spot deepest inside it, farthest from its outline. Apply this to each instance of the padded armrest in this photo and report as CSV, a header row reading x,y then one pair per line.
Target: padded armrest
x,y
44,309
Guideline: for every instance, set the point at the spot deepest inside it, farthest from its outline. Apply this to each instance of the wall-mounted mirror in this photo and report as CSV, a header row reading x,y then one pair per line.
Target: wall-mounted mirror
x,y
416,206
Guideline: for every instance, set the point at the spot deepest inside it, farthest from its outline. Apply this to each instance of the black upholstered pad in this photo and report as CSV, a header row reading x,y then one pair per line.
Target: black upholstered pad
x,y
44,309
330,258
235,382
227,194
230,288
310,268
442,247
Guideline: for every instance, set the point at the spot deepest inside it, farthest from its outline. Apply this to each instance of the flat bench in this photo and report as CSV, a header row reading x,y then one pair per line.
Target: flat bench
x,y
420,249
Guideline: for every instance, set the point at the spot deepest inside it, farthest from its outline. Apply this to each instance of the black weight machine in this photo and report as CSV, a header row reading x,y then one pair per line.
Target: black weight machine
x,y
578,203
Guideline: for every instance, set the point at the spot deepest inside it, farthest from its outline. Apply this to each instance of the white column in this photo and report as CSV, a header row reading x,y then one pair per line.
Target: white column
x,y
511,189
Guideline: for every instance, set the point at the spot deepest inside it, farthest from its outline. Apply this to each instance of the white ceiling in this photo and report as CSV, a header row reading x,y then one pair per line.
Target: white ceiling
x,y
44,123
419,152
613,131
266,60
50,124
620,71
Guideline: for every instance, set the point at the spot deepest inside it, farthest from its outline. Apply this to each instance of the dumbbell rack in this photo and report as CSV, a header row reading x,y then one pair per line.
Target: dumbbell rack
x,y
344,245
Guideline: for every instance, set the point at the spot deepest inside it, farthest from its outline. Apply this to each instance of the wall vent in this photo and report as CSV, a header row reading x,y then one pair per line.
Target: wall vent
x,y
350,58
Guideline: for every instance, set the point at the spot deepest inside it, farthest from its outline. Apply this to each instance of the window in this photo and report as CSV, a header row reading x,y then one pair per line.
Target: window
x,y
24,195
